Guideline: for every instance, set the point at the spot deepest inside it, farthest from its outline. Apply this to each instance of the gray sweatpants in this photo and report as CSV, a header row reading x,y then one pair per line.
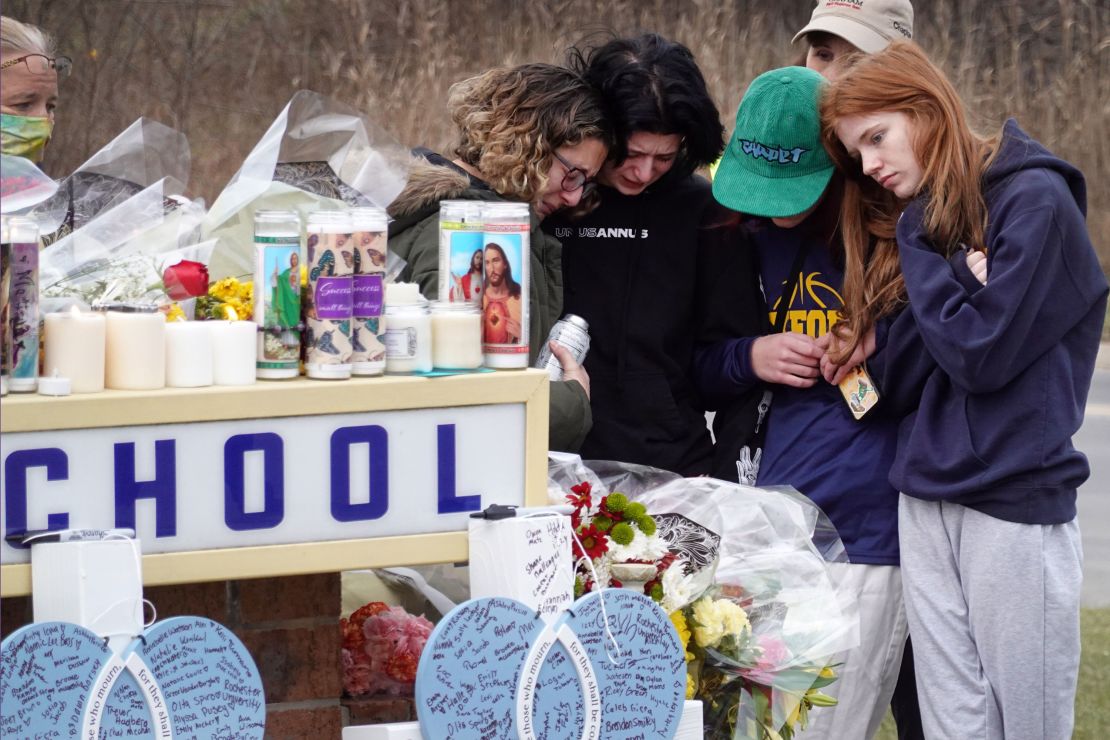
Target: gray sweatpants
x,y
993,609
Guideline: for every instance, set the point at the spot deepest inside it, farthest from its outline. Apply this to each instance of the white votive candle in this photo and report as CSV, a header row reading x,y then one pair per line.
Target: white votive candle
x,y
75,349
234,352
456,336
135,351
188,354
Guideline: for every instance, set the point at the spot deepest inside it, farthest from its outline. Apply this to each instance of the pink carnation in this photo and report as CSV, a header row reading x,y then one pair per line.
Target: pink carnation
x,y
390,652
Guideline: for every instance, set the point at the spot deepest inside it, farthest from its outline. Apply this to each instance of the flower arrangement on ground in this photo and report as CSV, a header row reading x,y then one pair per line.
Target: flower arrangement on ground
x,y
743,574
228,298
619,539
750,685
381,649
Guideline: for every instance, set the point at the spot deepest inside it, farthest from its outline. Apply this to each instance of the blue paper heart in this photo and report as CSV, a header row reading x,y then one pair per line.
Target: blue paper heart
x,y
643,687
48,672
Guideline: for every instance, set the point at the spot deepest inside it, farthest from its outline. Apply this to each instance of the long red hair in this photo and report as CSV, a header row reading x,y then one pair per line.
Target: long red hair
x,y
952,157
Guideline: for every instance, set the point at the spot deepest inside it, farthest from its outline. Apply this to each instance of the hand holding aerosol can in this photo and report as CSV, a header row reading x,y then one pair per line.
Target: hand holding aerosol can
x,y
571,332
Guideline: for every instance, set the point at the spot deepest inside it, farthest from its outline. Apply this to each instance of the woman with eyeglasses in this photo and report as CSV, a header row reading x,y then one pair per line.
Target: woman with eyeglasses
x,y
30,70
533,134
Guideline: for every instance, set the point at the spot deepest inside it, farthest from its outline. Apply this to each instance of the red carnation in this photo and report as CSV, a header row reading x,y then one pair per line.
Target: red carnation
x,y
186,279
594,542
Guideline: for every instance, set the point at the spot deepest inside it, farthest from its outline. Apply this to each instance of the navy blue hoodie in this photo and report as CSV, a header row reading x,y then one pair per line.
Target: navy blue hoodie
x,y
812,442
1008,365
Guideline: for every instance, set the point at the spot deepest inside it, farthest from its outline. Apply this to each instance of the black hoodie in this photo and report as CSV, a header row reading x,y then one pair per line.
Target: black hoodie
x,y
641,270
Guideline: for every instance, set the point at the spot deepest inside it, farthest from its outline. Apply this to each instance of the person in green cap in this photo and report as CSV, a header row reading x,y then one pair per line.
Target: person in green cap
x,y
776,173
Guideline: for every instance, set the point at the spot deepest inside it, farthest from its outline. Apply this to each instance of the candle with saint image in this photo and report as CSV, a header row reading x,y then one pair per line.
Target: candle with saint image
x,y
188,354
234,352
135,350
75,349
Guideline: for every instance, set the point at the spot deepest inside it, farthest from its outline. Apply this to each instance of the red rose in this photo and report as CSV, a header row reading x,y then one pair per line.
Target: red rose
x,y
186,279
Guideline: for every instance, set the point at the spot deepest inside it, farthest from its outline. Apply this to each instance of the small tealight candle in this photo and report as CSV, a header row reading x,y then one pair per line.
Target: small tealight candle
x,y
54,385
188,354
75,349
234,352
135,351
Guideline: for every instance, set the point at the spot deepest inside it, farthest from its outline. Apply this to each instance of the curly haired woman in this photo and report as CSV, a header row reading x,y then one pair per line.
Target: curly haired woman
x,y
533,134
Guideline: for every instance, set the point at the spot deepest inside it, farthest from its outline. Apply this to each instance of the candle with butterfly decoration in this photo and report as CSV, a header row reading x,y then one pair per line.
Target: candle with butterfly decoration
x,y
368,253
329,303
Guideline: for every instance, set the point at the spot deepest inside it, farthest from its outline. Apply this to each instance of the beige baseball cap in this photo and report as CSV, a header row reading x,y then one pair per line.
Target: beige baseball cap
x,y
868,25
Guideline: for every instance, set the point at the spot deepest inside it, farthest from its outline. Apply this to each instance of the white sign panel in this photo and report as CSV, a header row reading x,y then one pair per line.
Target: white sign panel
x,y
209,485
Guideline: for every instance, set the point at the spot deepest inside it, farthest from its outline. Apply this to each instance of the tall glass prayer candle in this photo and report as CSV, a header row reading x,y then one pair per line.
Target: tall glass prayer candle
x,y
507,253
5,284
23,308
367,328
75,343
460,251
277,293
330,252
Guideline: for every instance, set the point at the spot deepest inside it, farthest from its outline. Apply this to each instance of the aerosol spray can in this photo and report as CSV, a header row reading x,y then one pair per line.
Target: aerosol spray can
x,y
23,308
507,252
369,238
277,293
331,260
461,272
572,332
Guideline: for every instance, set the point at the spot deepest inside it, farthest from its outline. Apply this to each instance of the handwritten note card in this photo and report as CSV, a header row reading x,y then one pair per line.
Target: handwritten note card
x,y
523,558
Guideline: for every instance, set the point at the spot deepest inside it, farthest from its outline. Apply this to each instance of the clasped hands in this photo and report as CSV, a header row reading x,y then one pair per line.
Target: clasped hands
x,y
798,360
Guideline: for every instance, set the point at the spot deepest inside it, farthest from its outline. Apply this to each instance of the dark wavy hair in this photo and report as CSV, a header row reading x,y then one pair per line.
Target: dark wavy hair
x,y
651,84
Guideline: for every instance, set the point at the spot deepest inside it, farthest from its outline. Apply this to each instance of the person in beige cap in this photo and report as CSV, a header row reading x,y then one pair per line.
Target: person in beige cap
x,y
839,27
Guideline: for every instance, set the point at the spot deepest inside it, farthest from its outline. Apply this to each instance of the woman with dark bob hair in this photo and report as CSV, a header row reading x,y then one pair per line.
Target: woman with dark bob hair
x,y
534,134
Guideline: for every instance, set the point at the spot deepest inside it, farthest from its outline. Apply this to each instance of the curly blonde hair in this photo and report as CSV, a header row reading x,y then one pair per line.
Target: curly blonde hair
x,y
511,120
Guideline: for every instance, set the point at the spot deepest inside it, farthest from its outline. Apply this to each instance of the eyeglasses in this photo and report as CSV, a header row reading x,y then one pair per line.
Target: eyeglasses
x,y
574,178
40,64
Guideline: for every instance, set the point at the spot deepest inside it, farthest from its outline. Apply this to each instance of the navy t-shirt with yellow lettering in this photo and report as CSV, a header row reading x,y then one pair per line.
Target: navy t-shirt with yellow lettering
x,y
813,443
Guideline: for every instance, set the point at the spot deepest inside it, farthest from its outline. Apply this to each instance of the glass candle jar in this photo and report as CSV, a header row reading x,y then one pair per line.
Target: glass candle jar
x,y
456,336
408,330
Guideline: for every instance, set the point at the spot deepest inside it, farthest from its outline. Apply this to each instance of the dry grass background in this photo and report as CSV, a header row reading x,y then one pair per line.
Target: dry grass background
x,y
221,70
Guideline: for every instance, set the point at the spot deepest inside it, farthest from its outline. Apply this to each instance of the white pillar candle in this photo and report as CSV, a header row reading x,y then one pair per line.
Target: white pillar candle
x,y
234,352
75,349
188,354
135,351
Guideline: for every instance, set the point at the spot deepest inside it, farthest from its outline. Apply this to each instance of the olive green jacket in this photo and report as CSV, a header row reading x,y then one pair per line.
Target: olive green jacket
x,y
414,237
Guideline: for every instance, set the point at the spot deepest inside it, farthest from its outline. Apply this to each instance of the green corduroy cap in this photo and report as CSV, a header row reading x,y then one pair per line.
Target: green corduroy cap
x,y
775,165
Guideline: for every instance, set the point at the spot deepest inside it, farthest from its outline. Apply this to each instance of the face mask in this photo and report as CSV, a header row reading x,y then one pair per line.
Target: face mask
x,y
24,136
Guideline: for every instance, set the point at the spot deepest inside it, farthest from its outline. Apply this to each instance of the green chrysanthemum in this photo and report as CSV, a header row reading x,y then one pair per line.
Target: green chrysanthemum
x,y
622,533
602,522
634,510
657,592
646,525
616,502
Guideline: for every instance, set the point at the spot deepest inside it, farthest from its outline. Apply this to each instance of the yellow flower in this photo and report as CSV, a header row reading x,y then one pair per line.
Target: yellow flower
x,y
734,618
691,686
709,628
678,619
304,275
175,313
